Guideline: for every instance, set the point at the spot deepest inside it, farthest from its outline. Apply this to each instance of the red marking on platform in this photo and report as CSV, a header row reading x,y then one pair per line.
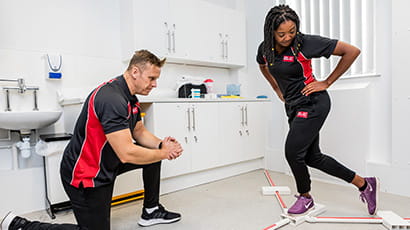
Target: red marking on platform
x,y
273,225
277,193
345,217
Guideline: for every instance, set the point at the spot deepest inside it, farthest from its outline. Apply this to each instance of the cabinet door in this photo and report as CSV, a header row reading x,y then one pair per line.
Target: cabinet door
x,y
204,140
230,132
235,36
171,119
208,25
255,130
184,31
144,26
184,28
229,39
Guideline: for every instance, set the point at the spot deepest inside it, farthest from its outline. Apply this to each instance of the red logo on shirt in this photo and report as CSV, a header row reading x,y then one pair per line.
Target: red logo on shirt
x,y
135,109
302,114
288,58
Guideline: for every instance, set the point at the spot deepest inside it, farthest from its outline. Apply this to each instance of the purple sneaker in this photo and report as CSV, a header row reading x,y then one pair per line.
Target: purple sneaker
x,y
302,205
369,195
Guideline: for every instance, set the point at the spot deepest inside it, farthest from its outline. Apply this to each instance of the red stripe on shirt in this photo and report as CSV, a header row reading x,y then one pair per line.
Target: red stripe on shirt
x,y
88,162
307,68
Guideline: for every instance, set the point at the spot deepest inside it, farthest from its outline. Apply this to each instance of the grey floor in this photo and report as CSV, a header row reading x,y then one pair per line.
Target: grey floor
x,y
237,203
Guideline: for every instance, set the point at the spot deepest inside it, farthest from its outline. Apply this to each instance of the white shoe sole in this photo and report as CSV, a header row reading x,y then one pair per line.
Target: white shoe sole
x,y
302,214
146,223
377,194
5,223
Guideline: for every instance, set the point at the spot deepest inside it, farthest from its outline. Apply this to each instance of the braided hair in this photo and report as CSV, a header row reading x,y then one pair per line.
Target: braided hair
x,y
276,16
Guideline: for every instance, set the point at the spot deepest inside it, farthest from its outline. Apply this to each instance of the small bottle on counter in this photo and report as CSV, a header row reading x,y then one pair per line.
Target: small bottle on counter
x,y
209,83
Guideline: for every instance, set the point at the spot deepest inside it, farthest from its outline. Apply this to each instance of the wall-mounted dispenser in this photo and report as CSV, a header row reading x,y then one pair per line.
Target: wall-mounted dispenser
x,y
54,64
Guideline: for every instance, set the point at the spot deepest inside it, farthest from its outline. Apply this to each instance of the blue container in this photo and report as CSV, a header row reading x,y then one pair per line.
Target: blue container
x,y
233,89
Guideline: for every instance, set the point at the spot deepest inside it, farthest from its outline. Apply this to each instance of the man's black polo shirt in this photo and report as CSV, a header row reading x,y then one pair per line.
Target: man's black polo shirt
x,y
89,159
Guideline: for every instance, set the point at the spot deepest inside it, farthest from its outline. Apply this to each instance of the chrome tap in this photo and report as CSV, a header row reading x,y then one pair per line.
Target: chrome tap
x,y
21,88
21,85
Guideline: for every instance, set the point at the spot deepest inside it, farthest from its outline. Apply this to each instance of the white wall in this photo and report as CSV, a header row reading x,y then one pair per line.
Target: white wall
x,y
255,84
400,84
395,173
86,33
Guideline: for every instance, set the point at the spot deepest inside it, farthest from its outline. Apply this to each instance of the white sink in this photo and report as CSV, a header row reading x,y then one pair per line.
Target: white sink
x,y
27,120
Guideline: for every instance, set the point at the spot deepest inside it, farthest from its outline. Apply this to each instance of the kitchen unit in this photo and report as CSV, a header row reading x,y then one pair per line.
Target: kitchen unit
x,y
244,129
213,35
213,133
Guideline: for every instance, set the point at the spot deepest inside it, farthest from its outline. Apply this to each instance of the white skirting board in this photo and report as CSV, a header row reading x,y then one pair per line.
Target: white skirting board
x,y
173,184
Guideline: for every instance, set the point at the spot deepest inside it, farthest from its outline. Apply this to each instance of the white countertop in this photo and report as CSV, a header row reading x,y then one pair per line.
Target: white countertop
x,y
75,101
196,100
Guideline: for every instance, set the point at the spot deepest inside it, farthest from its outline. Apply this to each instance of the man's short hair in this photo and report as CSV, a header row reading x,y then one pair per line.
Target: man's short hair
x,y
142,57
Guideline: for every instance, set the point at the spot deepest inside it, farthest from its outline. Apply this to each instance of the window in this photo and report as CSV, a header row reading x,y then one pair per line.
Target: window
x,y
351,21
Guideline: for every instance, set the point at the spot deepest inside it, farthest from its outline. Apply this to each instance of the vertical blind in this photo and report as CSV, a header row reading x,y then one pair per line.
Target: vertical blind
x,y
351,21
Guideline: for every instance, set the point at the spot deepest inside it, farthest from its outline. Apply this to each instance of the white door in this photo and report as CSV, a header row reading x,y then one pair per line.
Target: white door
x,y
144,26
209,31
235,36
172,119
255,130
204,139
182,20
230,132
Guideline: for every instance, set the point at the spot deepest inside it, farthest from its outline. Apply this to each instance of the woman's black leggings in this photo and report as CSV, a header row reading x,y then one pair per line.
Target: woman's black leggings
x,y
302,143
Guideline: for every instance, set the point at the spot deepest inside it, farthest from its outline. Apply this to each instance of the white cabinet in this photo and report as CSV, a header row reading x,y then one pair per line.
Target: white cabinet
x,y
255,129
244,133
184,31
213,134
158,26
231,37
171,119
193,125
204,135
230,130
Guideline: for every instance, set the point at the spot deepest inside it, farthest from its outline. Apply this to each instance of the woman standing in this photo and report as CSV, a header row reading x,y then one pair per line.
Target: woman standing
x,y
284,59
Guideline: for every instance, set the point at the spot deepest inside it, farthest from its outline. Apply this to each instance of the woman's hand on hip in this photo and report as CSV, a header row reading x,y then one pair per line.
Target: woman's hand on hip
x,y
315,86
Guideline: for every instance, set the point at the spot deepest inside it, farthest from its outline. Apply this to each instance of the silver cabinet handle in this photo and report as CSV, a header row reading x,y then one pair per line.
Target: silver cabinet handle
x,y
168,36
222,45
193,119
196,139
6,147
246,115
242,116
186,140
173,39
226,46
189,119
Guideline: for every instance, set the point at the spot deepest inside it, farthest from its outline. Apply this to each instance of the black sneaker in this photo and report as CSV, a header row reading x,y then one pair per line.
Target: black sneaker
x,y
13,222
159,216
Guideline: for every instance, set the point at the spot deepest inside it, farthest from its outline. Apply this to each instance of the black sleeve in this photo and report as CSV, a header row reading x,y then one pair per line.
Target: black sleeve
x,y
315,46
112,111
260,57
